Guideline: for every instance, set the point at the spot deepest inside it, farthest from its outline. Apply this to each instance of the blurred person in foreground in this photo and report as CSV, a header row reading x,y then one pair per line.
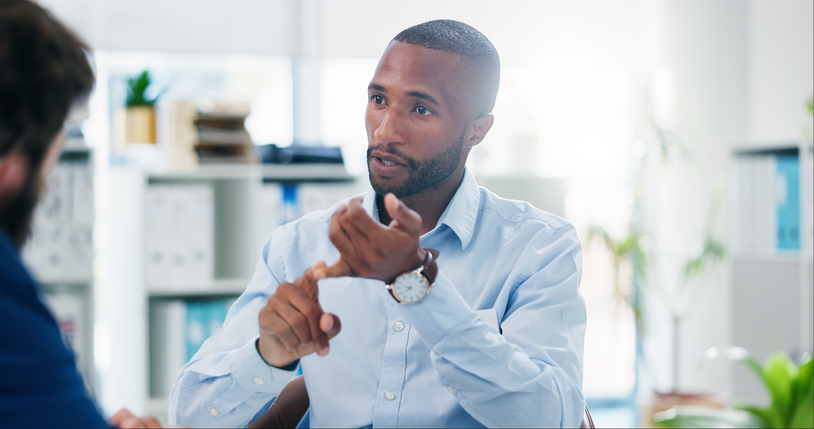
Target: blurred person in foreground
x,y
458,308
44,71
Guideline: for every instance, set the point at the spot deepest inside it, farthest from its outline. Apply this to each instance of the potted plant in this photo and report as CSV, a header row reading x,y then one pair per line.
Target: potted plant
x,y
791,392
641,288
139,124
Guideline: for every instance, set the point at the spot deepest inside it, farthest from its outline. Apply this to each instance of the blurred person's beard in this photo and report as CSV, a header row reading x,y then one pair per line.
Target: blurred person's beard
x,y
17,218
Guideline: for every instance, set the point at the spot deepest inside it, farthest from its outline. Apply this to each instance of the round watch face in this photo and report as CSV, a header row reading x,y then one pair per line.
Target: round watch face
x,y
410,288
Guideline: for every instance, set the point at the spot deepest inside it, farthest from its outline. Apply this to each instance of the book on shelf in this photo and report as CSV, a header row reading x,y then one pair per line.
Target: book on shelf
x,y
809,217
217,136
61,244
222,137
281,203
179,236
767,201
787,202
178,328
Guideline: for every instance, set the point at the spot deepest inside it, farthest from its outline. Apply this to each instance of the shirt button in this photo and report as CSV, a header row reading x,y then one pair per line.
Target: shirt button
x,y
214,412
451,389
258,380
398,326
390,395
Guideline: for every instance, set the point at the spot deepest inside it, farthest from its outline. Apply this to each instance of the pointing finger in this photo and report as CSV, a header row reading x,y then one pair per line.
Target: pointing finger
x,y
403,217
307,283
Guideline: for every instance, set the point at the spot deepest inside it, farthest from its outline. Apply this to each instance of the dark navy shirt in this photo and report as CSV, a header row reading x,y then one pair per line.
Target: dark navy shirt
x,y
40,385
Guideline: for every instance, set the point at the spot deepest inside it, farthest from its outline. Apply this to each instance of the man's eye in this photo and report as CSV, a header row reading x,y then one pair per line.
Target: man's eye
x,y
423,111
378,99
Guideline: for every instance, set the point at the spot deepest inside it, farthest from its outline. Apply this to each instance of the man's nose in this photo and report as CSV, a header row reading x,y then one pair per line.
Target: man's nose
x,y
389,129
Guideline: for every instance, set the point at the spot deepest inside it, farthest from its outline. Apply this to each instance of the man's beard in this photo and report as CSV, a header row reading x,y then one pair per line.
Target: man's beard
x,y
423,174
17,218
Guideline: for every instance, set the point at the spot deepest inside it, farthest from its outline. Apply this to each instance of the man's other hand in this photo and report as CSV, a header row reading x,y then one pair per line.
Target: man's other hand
x,y
293,324
371,250
125,419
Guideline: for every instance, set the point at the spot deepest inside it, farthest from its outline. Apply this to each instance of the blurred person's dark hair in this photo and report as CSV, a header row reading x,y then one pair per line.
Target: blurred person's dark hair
x,y
44,71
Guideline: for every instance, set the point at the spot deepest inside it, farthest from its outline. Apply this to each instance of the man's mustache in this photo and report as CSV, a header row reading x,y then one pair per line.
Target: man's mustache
x,y
411,162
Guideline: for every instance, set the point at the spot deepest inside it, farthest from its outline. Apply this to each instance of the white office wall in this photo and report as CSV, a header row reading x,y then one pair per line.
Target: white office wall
x,y
781,67
597,31
700,58
523,31
211,26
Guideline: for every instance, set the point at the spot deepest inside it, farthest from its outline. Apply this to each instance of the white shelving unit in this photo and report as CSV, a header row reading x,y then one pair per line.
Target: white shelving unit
x,y
242,216
772,288
60,254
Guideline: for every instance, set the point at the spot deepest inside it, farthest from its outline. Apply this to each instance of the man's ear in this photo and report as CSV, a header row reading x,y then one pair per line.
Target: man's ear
x,y
13,173
478,128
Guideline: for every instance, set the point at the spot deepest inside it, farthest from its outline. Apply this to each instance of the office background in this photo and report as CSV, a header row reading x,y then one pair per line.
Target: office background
x,y
587,88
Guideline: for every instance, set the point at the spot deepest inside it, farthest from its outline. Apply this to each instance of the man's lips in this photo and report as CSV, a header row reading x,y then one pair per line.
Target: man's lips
x,y
387,159
386,165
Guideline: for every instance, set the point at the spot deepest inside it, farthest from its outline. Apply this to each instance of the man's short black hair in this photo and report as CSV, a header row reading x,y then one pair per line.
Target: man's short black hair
x,y
43,71
458,38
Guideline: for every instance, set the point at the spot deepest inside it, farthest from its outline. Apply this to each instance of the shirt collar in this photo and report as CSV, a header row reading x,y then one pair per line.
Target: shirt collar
x,y
460,215
462,212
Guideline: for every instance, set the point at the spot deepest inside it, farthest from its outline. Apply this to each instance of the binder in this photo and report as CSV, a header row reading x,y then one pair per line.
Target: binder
x,y
179,236
787,202
168,344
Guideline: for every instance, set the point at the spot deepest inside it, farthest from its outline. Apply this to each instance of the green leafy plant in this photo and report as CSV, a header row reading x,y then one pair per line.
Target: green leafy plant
x,y
136,89
627,250
791,393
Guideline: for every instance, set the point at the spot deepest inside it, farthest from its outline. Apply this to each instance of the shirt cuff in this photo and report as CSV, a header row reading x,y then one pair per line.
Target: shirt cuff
x,y
252,373
442,310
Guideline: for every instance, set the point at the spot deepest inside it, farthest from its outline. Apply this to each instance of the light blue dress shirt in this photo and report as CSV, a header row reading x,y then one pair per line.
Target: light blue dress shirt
x,y
497,342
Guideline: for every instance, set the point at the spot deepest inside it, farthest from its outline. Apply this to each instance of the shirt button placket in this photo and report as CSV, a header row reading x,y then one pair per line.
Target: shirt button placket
x,y
394,367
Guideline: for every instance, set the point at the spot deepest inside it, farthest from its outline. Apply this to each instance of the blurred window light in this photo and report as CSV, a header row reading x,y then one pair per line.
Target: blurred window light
x,y
577,123
343,102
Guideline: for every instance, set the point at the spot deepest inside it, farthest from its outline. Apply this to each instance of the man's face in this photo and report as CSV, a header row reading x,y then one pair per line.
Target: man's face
x,y
416,119
17,217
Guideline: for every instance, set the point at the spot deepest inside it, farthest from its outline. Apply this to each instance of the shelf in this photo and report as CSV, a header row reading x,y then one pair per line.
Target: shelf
x,y
771,297
306,172
269,172
788,258
222,287
247,203
77,281
209,171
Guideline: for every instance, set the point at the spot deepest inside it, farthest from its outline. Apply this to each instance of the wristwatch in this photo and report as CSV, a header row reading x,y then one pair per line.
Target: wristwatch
x,y
411,287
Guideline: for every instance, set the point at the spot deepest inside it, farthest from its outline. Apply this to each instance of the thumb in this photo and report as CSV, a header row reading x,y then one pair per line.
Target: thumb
x,y
339,269
330,324
403,217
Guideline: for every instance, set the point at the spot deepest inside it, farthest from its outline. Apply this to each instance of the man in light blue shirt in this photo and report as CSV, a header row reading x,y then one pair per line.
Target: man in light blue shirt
x,y
457,308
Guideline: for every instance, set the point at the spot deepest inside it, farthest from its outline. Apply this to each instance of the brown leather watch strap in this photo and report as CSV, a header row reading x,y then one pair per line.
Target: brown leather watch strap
x,y
430,267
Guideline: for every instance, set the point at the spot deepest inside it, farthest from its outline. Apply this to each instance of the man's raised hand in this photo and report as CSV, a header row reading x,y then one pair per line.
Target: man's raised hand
x,y
293,324
371,250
